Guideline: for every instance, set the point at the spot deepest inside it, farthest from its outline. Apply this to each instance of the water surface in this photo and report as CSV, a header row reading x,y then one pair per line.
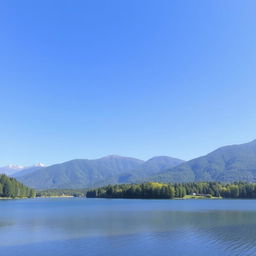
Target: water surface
x,y
97,227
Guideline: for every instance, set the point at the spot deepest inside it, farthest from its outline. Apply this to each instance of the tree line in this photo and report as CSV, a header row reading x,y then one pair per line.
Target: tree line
x,y
153,190
10,187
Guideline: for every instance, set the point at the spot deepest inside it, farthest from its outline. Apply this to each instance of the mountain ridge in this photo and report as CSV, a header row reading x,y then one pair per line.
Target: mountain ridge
x,y
13,169
229,163
226,164
81,173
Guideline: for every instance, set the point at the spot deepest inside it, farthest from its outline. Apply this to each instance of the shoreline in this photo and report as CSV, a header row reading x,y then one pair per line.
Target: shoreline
x,y
17,198
119,198
14,198
63,196
169,199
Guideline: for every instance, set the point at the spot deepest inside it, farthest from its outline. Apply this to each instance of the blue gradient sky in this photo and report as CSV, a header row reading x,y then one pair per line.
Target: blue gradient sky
x,y
84,79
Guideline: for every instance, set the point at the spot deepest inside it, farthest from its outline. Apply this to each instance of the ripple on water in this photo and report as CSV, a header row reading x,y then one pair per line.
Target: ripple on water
x,y
127,227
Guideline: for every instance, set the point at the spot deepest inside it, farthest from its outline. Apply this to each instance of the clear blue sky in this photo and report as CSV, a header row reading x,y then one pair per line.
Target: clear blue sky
x,y
84,79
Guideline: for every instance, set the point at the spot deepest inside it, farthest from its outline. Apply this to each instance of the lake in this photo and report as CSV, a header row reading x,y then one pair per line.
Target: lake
x,y
122,227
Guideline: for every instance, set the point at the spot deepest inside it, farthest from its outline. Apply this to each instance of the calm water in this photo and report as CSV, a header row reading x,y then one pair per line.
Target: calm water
x,y
76,227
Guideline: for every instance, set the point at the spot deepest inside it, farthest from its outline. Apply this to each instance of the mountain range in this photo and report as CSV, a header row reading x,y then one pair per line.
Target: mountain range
x,y
10,169
84,173
226,164
13,170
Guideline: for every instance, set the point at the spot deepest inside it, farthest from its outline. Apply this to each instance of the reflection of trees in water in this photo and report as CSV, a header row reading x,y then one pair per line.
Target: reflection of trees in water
x,y
154,221
230,231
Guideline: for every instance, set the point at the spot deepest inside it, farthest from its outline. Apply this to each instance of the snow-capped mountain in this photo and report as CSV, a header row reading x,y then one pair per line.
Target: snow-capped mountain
x,y
38,165
13,169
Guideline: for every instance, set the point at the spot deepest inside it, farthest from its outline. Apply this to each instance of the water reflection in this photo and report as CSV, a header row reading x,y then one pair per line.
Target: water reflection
x,y
122,226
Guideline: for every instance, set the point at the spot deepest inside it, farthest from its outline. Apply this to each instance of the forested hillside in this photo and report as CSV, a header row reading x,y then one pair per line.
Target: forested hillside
x,y
226,164
10,187
83,173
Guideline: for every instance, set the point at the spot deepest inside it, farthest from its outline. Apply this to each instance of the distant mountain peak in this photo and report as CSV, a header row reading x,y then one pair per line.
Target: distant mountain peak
x,y
119,157
11,169
230,163
164,158
39,165
112,156
80,173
